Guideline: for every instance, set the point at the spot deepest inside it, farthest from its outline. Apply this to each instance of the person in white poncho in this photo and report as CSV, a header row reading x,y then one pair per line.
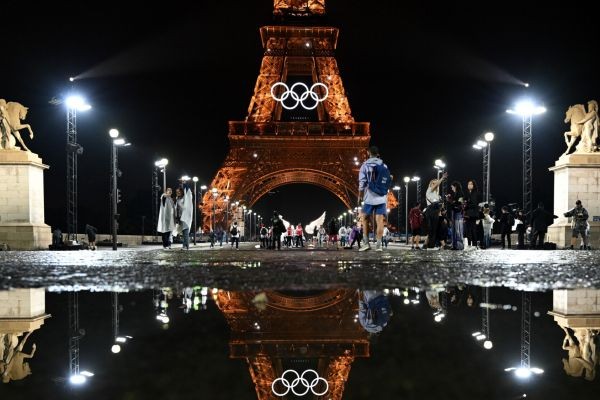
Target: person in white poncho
x,y
184,212
166,218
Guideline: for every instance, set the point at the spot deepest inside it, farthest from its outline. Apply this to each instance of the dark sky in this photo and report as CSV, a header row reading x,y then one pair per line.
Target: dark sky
x,y
430,79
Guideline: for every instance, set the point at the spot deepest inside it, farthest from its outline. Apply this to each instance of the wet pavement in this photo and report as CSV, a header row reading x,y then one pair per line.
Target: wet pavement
x,y
249,268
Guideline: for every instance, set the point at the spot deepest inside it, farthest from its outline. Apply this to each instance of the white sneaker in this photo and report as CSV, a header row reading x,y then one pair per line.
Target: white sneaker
x,y
364,247
378,247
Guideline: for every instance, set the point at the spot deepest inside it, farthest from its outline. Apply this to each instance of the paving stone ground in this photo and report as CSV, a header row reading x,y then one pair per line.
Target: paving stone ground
x,y
251,269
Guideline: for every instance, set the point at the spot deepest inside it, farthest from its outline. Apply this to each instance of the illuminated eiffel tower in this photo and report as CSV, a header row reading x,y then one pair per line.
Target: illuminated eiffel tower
x,y
275,145
317,331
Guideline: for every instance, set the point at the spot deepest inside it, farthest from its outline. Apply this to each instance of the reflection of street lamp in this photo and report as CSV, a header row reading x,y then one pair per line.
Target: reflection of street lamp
x,y
526,109
406,180
116,142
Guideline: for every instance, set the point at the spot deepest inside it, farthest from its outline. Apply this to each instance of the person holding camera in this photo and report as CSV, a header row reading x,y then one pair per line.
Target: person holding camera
x,y
579,224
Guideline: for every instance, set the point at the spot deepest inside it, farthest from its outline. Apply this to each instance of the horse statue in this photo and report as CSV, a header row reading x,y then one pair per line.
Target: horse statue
x,y
574,115
11,115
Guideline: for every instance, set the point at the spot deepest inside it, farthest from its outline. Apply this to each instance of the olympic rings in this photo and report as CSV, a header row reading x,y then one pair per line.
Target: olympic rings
x,y
290,92
299,380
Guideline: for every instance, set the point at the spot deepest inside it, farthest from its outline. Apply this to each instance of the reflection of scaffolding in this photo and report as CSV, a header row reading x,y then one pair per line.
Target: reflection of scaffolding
x,y
115,314
525,329
485,313
74,333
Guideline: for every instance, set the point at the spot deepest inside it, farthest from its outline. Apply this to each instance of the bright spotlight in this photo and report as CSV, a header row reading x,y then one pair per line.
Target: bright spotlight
x,y
526,84
115,349
71,79
77,102
406,179
77,379
406,301
522,373
476,147
488,344
481,143
489,136
119,141
114,133
195,179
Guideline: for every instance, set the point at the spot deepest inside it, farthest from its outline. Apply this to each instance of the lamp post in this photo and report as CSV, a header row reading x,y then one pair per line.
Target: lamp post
x,y
116,142
215,193
226,212
406,181
441,168
195,180
486,147
74,103
418,180
162,164
202,189
397,189
526,109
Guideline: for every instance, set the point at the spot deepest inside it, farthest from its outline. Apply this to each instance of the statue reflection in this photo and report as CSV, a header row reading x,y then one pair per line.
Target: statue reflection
x,y
577,312
320,331
22,311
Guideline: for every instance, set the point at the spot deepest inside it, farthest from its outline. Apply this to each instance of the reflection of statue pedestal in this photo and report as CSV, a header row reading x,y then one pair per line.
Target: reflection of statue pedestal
x,y
576,309
576,176
22,224
22,310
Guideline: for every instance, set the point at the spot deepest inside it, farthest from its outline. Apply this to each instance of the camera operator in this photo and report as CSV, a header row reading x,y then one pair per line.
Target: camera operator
x,y
579,224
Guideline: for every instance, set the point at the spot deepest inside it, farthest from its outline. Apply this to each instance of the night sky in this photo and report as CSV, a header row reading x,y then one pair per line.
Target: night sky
x,y
430,79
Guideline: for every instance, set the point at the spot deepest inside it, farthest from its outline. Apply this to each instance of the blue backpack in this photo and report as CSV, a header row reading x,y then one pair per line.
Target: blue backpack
x,y
379,310
381,180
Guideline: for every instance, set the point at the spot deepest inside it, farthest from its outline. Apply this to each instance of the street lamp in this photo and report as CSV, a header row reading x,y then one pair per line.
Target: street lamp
x,y
418,180
406,181
215,193
162,163
486,147
526,109
115,194
226,211
397,189
202,189
195,180
441,168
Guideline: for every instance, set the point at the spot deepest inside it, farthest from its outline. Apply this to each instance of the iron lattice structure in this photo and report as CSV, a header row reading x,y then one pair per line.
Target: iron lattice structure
x,y
485,313
317,332
527,166
525,329
74,333
73,150
156,191
273,147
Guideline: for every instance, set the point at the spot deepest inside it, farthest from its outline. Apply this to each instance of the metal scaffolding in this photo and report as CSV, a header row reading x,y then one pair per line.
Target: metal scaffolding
x,y
73,150
156,190
527,166
485,313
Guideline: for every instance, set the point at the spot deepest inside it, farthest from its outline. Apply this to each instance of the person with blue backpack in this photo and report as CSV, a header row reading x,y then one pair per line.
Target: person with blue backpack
x,y
374,182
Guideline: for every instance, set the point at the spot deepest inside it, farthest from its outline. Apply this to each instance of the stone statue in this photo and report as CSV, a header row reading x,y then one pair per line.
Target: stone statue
x,y
11,114
12,362
584,126
582,355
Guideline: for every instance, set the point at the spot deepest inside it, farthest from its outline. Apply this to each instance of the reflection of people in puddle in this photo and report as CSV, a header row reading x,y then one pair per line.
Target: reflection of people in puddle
x,y
582,357
374,310
12,366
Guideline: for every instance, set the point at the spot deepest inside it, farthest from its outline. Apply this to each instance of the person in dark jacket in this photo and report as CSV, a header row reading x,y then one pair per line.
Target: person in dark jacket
x,y
471,212
278,229
521,229
91,232
506,222
540,220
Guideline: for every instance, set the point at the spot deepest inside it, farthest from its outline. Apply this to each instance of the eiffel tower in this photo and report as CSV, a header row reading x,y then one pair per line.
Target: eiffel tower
x,y
319,144
280,332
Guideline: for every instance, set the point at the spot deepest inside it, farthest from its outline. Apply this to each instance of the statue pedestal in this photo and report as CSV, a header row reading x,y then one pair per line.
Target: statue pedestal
x,y
22,224
576,176
22,310
576,309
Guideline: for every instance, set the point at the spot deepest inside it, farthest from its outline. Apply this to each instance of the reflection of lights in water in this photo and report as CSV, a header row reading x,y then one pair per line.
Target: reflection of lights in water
x,y
524,373
204,291
81,378
406,301
488,344
256,326
162,317
476,334
396,292
115,348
